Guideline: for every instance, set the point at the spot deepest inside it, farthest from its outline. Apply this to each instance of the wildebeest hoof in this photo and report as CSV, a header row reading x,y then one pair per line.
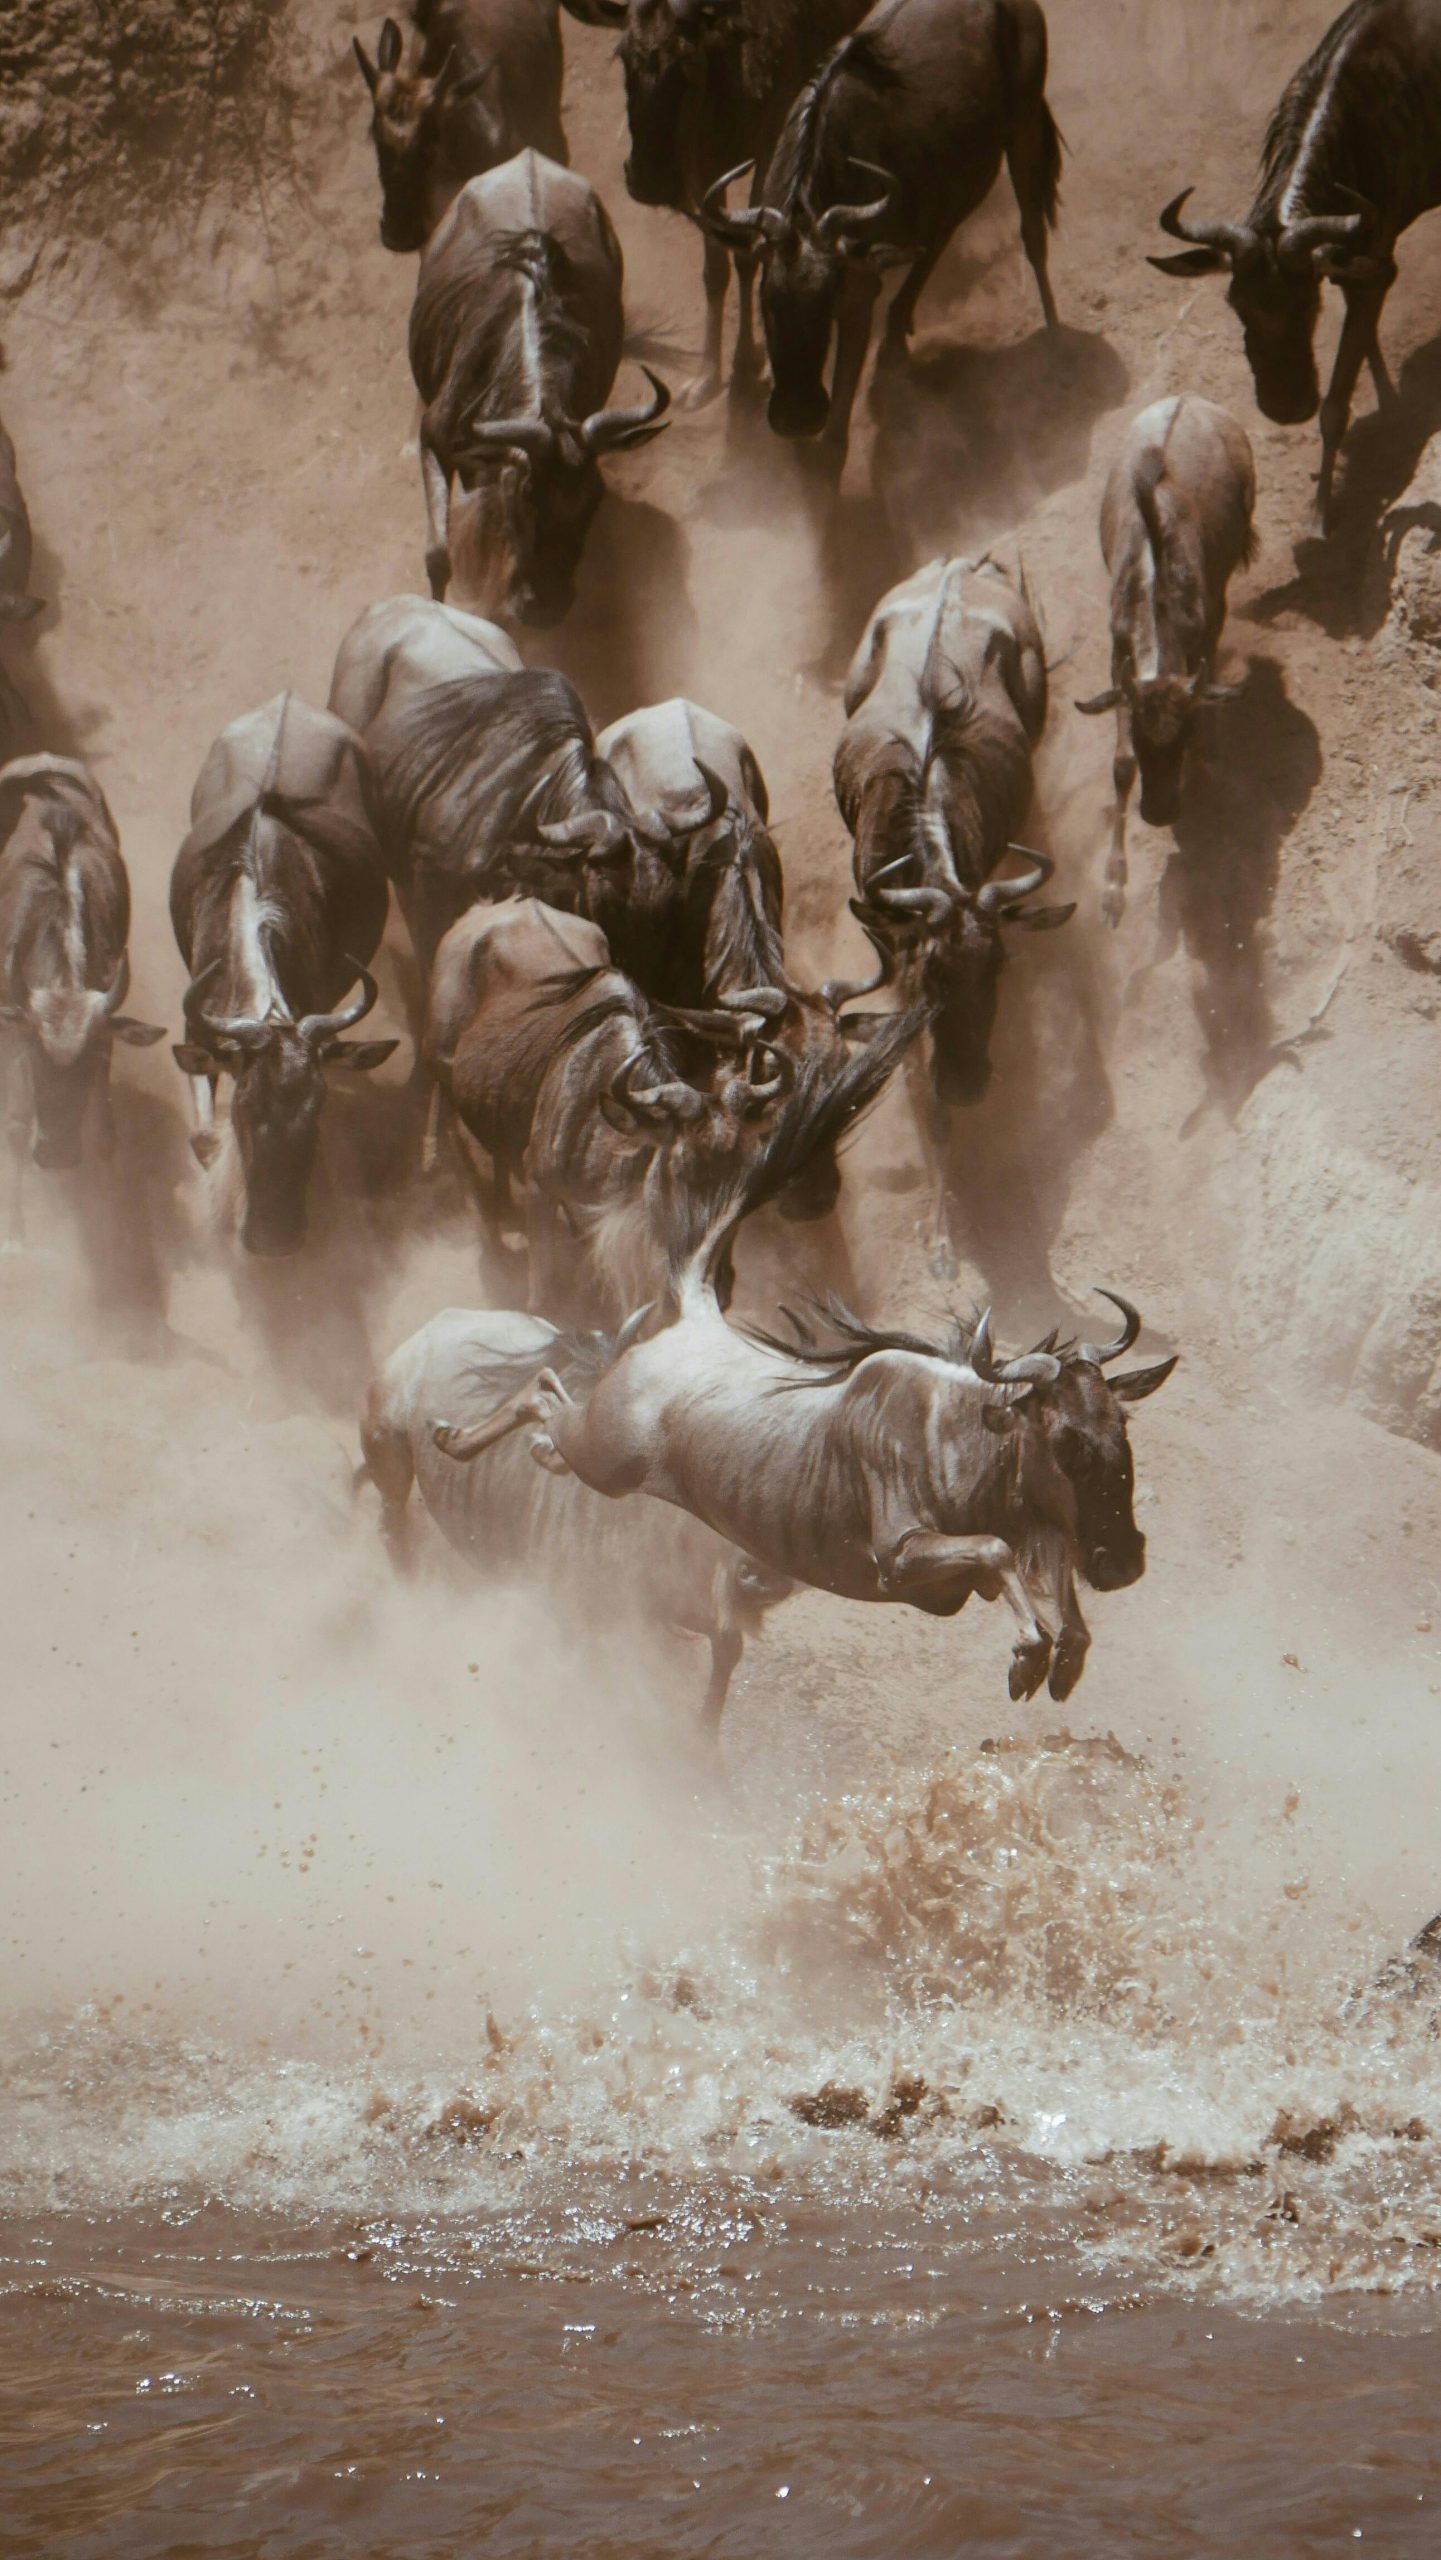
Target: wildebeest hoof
x,y
1029,1663
545,1453
1067,1665
437,570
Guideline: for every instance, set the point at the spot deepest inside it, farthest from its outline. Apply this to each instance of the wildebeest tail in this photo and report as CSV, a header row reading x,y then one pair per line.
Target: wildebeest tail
x,y
1051,150
822,1107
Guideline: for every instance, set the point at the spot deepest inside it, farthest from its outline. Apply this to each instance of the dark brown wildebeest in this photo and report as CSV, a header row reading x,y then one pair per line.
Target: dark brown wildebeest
x,y
278,899
726,947
945,704
1175,525
606,1106
707,84
1352,158
515,336
512,1522
477,81
871,1462
898,137
64,968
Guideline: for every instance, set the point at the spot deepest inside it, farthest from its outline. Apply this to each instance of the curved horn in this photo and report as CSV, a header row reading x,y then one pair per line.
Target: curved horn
x,y
841,218
739,230
594,833
933,906
532,436
1038,1368
1299,241
608,429
241,1030
119,987
768,1072
718,798
1232,239
675,1101
998,895
769,1003
1130,1327
842,991
316,1028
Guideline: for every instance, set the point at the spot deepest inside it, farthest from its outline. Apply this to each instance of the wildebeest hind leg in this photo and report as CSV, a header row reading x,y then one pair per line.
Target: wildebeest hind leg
x,y
1359,334
853,337
901,318
746,363
1123,781
716,277
1027,158
933,1570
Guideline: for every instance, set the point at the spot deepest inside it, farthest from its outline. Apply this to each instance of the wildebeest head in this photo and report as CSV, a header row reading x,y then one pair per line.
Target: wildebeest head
x,y
1275,290
804,256
278,1068
662,57
954,937
68,1030
1075,1471
409,108
1163,712
613,865
542,476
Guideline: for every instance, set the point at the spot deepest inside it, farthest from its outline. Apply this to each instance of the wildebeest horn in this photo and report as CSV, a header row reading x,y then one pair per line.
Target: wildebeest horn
x,y
611,429
1226,239
316,1028
1038,1368
1130,1327
997,895
240,1030
739,230
718,798
532,436
657,1101
768,1071
1107,701
119,987
838,219
769,1003
1299,241
595,833
842,991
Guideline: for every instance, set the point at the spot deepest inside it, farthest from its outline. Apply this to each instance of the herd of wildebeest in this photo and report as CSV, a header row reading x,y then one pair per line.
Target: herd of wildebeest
x,y
609,1038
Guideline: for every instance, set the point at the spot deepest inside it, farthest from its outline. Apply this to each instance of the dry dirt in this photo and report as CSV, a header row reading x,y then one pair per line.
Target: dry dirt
x,y
216,439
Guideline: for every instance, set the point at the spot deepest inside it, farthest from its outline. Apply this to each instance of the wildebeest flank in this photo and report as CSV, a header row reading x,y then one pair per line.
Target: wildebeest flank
x,y
603,1562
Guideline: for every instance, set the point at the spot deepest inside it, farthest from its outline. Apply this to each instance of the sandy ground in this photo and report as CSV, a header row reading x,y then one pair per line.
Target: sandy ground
x,y
218,453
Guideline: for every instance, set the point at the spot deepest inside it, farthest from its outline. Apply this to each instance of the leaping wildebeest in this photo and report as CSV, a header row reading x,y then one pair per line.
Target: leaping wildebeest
x,y
64,966
865,1461
1352,157
1175,526
886,151
278,899
945,704
707,85
510,1521
516,335
464,85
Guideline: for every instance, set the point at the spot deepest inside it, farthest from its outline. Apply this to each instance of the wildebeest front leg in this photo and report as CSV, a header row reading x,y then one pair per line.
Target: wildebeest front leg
x,y
746,363
1123,781
436,481
539,1404
1359,335
853,337
716,277
1072,1641
941,1573
901,318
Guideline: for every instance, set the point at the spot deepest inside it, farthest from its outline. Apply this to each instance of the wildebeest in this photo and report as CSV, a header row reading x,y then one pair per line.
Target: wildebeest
x,y
64,967
726,946
945,703
604,1105
863,1460
278,898
481,82
1175,525
707,84
897,138
16,602
509,1520
515,337
1352,157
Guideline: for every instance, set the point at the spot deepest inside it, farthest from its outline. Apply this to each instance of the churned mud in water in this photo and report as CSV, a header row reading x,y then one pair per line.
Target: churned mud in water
x,y
442,2109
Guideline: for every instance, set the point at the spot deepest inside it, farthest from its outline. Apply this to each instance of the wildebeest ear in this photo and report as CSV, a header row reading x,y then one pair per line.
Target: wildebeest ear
x,y
1044,919
389,49
368,68
139,1035
1191,262
359,1053
192,1060
1001,1418
1137,1383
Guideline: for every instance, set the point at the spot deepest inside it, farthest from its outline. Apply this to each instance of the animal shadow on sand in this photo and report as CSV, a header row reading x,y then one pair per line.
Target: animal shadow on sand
x,y
633,632
1339,584
969,440
1241,799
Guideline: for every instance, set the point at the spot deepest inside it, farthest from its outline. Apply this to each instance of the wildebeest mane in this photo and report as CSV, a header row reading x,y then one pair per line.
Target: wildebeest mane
x,y
829,1336
493,744
743,945
1379,143
1293,109
810,162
